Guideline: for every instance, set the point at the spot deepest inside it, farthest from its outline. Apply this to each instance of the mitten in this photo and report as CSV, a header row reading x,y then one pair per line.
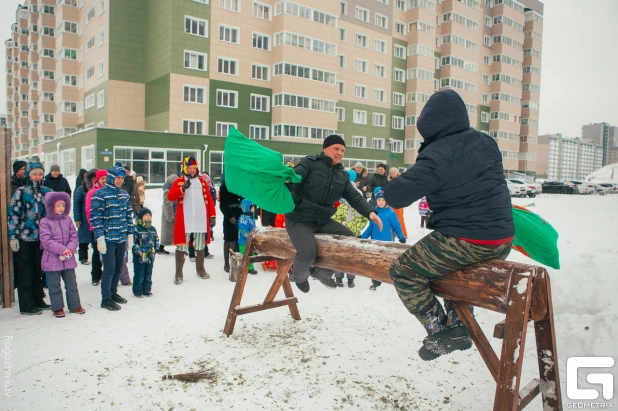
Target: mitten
x,y
101,246
14,245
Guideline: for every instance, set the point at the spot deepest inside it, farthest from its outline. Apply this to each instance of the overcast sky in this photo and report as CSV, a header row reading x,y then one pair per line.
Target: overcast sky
x,y
579,67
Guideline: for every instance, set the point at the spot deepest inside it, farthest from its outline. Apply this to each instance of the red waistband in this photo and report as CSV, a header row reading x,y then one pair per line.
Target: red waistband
x,y
488,242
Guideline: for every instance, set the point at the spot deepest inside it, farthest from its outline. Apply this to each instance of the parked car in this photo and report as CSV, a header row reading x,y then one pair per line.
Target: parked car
x,y
559,187
606,188
516,190
531,189
583,187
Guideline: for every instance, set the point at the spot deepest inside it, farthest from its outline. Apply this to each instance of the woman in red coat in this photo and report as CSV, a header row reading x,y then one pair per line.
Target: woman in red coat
x,y
195,215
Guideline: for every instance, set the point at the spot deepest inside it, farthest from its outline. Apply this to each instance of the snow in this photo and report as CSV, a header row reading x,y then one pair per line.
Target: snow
x,y
605,174
353,348
522,286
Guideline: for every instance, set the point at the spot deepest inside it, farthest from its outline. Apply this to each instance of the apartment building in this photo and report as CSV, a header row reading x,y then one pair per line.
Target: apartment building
x,y
603,135
563,159
286,73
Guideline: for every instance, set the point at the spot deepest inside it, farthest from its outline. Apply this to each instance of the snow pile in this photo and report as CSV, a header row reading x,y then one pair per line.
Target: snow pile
x,y
354,349
607,173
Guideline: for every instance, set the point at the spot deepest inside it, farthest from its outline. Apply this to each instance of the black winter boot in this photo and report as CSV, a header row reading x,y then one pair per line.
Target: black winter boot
x,y
351,283
339,282
226,256
324,276
304,287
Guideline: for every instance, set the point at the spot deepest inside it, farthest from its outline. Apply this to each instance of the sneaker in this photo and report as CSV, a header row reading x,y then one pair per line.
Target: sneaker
x,y
447,341
210,256
139,295
32,311
110,305
78,310
304,287
325,278
192,259
95,283
59,313
118,299
351,283
339,282
147,294
254,272
43,305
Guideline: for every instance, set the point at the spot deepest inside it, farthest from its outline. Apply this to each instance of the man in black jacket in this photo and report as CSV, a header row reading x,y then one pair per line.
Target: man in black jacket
x,y
378,179
460,172
324,181
18,179
229,204
56,181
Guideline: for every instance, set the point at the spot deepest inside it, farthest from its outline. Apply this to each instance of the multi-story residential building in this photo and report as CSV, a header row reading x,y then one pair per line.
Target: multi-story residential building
x,y
91,82
561,158
2,120
603,135
612,156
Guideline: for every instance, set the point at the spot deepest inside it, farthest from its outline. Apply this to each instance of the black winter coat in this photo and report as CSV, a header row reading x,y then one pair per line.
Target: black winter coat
x,y
460,171
16,183
57,184
322,185
229,204
377,180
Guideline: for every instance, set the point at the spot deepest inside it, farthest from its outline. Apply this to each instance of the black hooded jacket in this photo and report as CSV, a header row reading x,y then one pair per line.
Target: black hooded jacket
x,y
57,184
460,172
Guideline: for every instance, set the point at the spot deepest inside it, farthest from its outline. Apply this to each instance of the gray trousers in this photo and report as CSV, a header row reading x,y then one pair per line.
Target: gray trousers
x,y
303,240
55,289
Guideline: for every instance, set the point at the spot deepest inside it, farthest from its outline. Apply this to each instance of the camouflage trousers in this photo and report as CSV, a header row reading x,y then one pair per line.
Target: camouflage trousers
x,y
434,256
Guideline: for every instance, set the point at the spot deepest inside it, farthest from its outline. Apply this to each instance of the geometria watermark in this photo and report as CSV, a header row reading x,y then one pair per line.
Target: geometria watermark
x,y
8,366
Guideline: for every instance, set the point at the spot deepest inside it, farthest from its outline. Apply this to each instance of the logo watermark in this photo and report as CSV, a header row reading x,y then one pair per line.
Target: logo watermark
x,y
8,366
605,380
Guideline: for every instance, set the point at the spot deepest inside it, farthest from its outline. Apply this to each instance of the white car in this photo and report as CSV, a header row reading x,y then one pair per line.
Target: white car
x,y
516,190
606,188
526,187
583,187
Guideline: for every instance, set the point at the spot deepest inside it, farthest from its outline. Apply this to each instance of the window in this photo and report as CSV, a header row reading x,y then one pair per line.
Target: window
x,y
47,9
195,60
222,129
379,70
305,42
381,21
227,66
90,43
359,141
401,5
360,91
456,61
233,5
362,14
458,18
47,96
399,51
90,15
48,75
100,68
488,21
88,157
89,72
425,4
460,41
400,28
90,101
359,117
341,60
486,79
258,132
261,41
69,54
487,40
344,8
485,98
194,94
455,83
341,87
378,119
227,98
261,11
361,40
380,46
70,27
399,75
484,117
309,73
192,127
340,113
48,118
195,26
101,99
397,123
343,34
101,37
420,74
397,146
422,26
377,143
68,80
260,103
360,65
398,99
379,95
259,72
486,60
229,34
311,103
67,161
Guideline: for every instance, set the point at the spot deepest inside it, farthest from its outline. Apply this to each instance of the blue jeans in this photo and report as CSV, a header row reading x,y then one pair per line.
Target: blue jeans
x,y
113,260
142,278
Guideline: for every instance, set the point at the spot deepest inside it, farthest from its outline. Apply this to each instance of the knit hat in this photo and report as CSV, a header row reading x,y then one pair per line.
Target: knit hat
x,y
358,164
333,139
384,166
352,175
143,212
188,161
32,166
55,167
18,165
380,194
99,174
375,190
114,172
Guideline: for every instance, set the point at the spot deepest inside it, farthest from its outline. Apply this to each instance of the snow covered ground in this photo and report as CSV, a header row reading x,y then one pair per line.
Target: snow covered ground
x,y
353,349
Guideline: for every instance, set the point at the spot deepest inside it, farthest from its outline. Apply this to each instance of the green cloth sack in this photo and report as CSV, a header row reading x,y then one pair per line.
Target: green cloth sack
x,y
535,237
258,174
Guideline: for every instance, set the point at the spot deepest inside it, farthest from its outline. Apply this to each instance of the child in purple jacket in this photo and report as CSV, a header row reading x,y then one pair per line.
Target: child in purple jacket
x,y
59,242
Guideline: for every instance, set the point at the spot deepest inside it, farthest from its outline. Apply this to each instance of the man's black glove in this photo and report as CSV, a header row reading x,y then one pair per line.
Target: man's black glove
x,y
186,185
402,240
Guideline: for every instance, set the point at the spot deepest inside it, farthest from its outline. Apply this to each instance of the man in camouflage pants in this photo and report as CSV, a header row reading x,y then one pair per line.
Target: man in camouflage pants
x,y
460,172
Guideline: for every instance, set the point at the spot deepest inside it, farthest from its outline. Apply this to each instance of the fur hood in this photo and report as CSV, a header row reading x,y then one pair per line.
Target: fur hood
x,y
50,202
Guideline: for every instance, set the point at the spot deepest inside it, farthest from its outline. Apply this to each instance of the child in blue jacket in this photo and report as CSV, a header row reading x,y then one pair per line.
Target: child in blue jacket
x,y
246,224
145,246
391,227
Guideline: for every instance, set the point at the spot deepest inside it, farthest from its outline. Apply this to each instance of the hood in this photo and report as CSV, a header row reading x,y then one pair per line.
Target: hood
x,y
365,172
444,114
89,178
245,205
114,172
52,198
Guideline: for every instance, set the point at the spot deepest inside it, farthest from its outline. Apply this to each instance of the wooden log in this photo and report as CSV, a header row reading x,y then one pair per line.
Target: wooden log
x,y
481,285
